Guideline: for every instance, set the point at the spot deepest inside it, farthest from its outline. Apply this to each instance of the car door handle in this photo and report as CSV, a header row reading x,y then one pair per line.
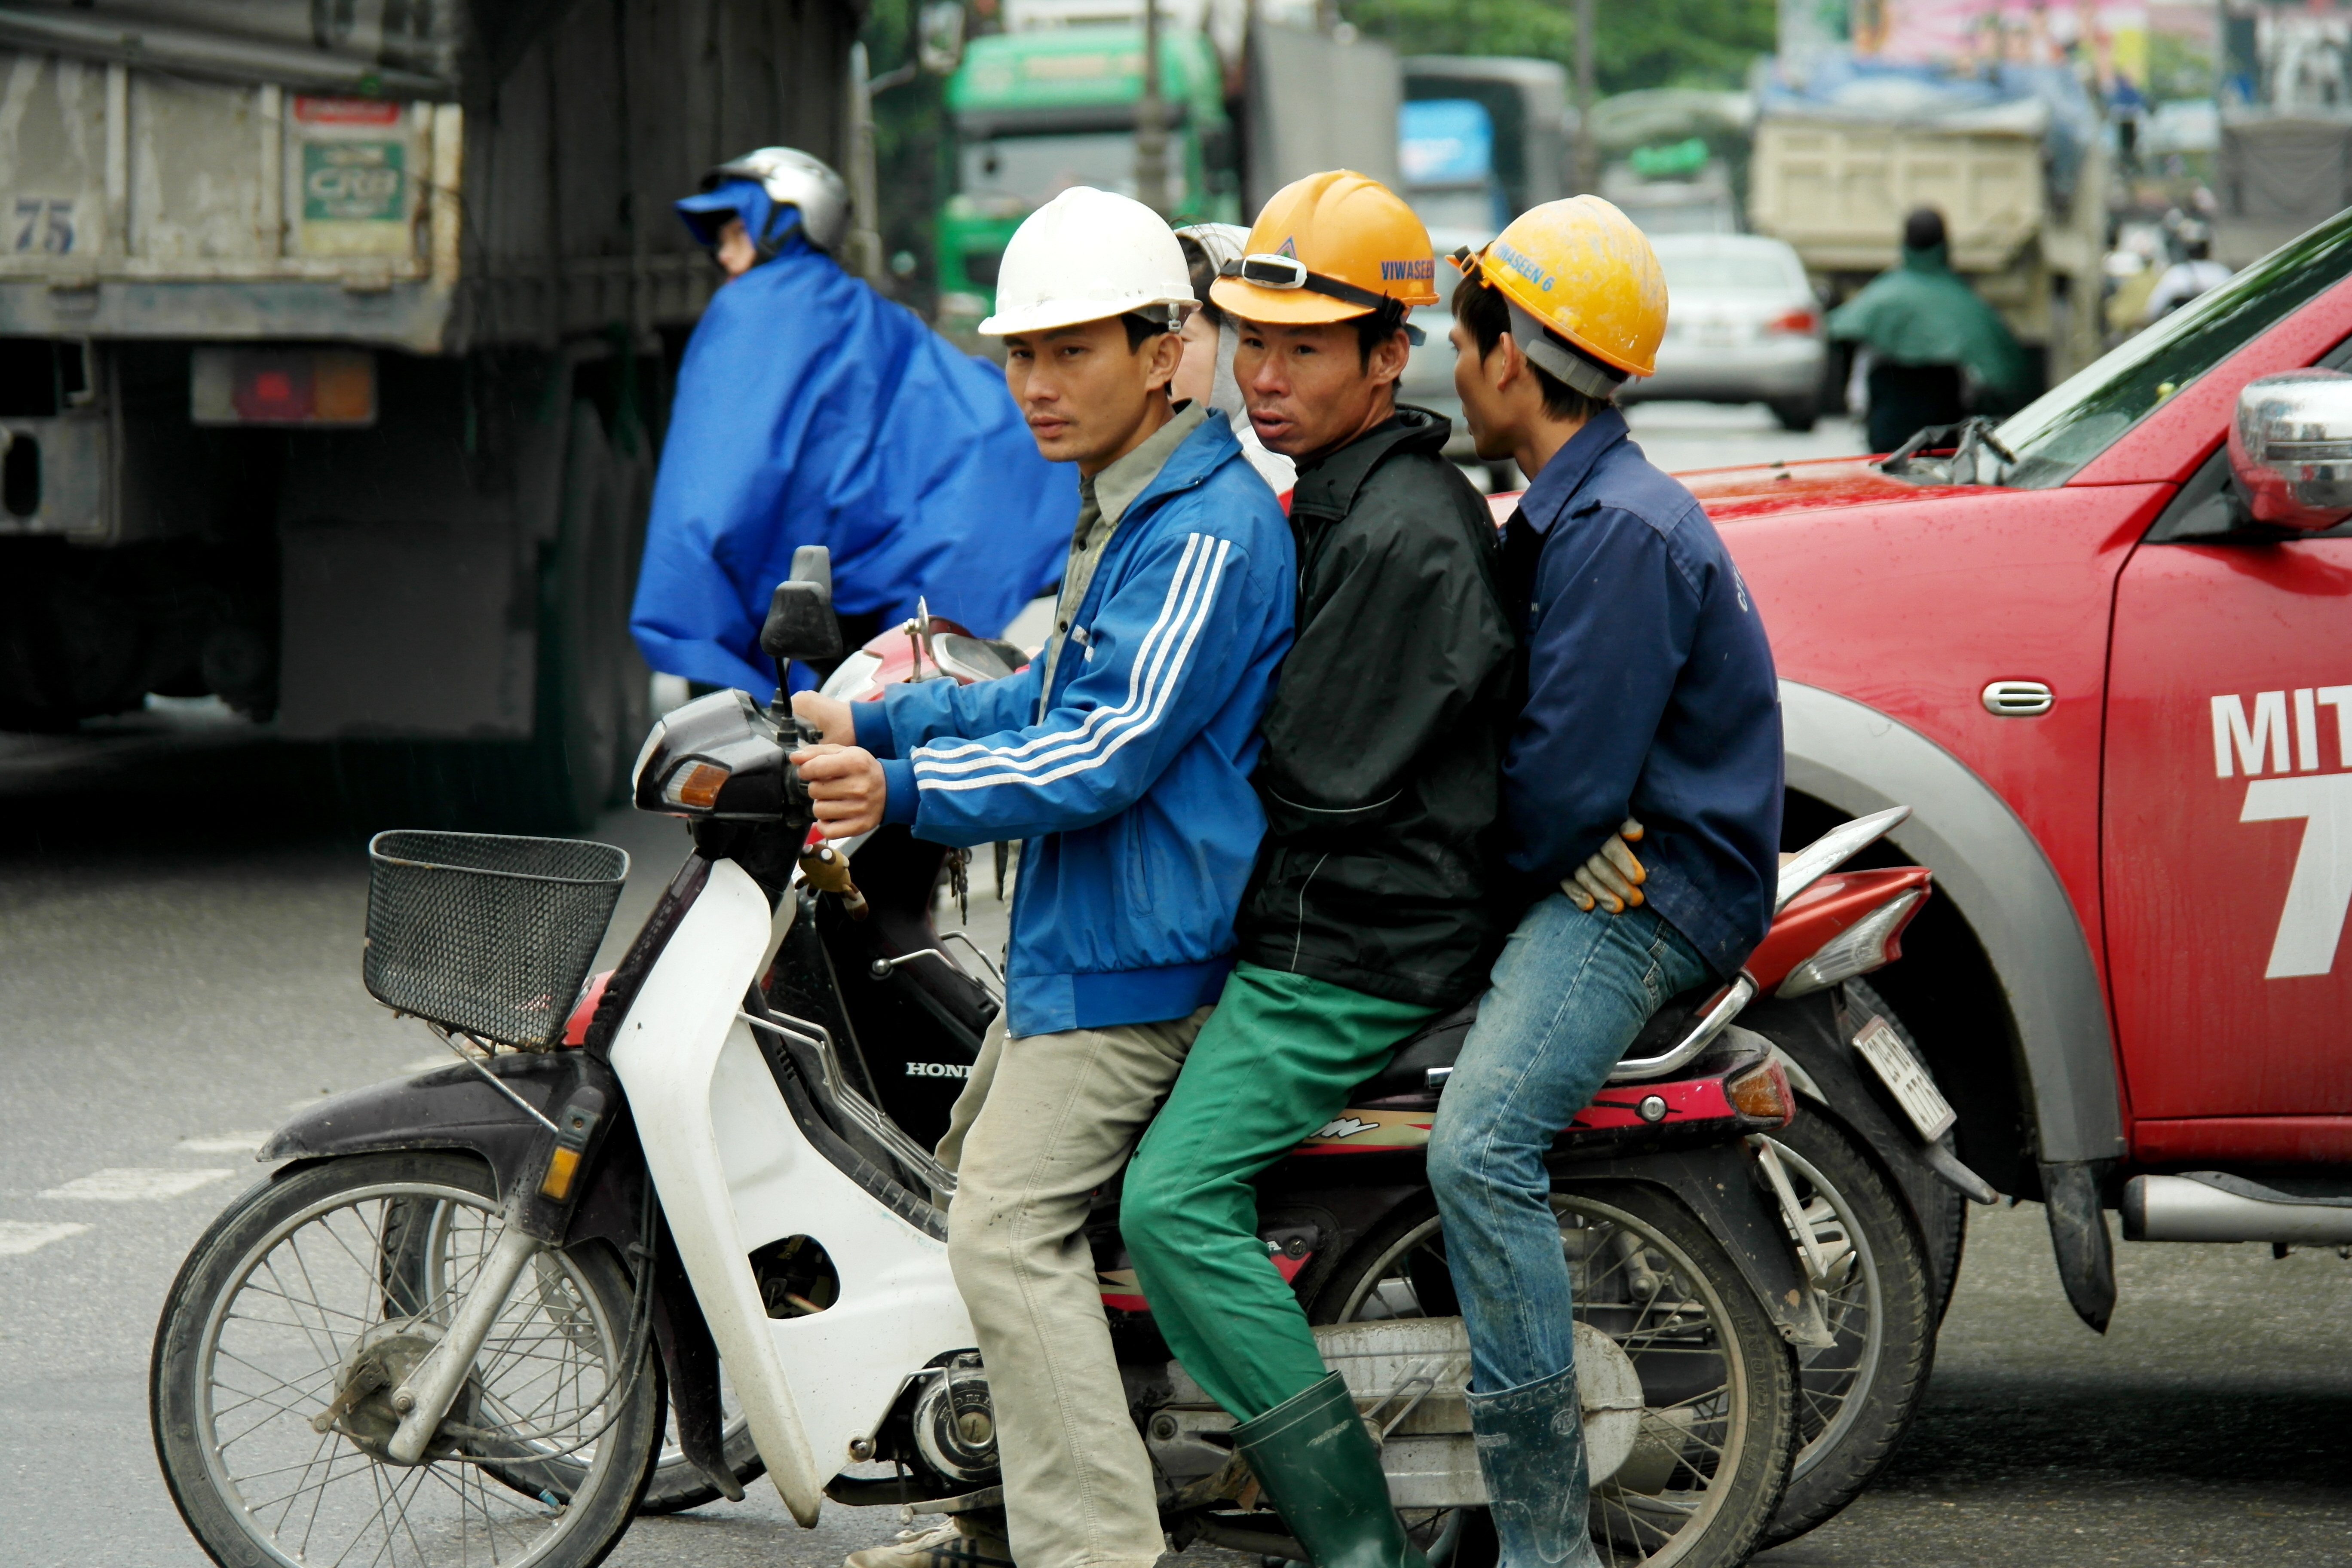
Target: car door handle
x,y
2018,699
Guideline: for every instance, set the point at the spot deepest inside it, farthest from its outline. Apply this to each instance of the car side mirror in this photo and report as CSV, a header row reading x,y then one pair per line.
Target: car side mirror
x,y
801,623
2291,449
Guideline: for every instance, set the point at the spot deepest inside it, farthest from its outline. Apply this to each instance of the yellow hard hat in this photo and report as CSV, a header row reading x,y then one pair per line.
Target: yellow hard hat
x,y
1329,248
1579,269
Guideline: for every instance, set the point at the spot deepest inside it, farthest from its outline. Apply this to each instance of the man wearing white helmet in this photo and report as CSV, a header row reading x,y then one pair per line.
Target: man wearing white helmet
x,y
1121,758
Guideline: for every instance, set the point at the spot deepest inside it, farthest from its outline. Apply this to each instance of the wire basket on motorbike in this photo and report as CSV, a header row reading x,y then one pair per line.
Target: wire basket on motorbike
x,y
484,934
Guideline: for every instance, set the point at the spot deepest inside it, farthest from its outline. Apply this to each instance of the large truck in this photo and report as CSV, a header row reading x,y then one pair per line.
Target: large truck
x,y
1836,186
1247,105
2285,157
331,343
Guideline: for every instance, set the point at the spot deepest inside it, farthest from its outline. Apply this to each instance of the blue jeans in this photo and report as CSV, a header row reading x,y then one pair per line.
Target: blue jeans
x,y
1571,991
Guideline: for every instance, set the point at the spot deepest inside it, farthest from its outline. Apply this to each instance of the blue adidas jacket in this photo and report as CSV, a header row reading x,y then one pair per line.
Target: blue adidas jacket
x,y
1131,783
1650,693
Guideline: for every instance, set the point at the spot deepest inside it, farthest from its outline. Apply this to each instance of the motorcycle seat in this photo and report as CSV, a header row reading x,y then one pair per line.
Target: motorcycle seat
x,y
1438,1042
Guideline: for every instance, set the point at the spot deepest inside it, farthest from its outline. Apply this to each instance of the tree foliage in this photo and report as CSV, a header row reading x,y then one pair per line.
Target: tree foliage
x,y
1655,43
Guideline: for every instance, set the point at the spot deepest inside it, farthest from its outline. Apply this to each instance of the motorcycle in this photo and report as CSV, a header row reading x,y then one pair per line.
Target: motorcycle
x,y
454,1321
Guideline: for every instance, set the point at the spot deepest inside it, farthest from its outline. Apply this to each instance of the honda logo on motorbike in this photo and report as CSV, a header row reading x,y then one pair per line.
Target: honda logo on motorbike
x,y
2311,924
937,1069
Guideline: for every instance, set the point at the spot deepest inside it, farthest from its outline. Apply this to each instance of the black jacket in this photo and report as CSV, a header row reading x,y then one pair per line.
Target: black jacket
x,y
1380,869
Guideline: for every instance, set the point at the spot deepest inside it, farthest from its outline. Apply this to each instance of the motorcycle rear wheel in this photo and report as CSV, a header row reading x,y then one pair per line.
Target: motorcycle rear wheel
x,y
1717,1452
1859,1396
259,1331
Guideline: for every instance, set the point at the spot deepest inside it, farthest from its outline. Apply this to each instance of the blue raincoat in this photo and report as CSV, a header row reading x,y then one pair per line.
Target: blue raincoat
x,y
810,410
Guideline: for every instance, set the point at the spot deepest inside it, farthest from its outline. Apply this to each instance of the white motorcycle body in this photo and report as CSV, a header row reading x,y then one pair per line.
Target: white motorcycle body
x,y
735,1172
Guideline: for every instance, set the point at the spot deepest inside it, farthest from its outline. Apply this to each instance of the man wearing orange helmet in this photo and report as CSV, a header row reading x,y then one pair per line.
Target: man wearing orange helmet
x,y
1651,696
1372,906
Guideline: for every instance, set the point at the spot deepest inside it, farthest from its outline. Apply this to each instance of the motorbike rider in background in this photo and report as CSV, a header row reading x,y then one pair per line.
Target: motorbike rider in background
x,y
1371,908
1121,755
811,410
1650,695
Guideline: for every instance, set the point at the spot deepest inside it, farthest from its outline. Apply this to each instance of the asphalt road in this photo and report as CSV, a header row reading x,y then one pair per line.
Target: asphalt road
x,y
180,925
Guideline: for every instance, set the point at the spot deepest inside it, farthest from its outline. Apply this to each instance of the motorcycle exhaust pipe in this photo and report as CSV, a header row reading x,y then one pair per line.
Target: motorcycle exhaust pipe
x,y
2212,1205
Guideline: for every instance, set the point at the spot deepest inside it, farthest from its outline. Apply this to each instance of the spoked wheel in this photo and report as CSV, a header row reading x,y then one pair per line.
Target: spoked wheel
x,y
1712,1449
1858,1396
305,1306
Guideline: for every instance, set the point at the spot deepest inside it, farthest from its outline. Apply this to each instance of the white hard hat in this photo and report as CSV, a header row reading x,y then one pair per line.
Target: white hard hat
x,y
794,179
1221,242
1085,256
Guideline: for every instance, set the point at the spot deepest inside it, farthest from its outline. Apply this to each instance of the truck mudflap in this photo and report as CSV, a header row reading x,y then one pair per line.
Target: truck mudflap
x,y
1719,1184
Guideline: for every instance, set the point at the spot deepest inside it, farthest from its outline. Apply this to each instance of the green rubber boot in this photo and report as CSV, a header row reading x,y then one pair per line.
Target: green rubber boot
x,y
1318,1467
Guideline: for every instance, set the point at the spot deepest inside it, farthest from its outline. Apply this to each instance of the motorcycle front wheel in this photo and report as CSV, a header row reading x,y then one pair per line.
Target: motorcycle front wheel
x,y
302,1305
1717,1381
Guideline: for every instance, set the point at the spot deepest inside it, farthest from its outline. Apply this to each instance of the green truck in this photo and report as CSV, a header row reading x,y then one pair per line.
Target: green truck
x,y
1036,112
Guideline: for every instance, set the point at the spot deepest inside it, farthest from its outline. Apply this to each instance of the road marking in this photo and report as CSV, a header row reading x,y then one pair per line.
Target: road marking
x,y
21,1236
122,1185
225,1144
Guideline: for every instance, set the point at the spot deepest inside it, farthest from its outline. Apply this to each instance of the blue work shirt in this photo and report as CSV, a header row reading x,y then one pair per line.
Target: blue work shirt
x,y
1650,693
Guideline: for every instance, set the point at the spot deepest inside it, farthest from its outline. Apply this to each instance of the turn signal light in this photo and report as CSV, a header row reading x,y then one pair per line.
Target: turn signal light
x,y
1762,1095
695,785
1800,323
561,1166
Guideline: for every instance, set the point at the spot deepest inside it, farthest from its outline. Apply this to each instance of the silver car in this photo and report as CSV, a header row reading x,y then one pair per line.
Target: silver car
x,y
1742,326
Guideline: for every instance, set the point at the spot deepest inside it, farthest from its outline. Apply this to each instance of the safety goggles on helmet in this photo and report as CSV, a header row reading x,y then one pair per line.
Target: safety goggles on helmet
x,y
1268,271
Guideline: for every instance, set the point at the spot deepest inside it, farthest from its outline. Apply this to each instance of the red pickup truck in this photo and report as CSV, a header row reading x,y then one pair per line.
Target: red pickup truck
x,y
2119,704
2103,653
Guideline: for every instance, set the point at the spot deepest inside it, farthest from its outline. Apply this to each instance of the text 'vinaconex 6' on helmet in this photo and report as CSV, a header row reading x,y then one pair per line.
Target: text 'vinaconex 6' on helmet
x,y
1580,271
1329,248
1087,256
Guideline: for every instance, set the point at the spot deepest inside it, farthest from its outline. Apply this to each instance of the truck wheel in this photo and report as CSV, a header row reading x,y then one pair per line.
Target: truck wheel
x,y
589,714
1858,1396
1797,414
587,725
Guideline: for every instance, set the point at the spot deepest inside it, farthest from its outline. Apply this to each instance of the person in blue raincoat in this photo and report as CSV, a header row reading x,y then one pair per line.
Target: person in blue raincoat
x,y
810,410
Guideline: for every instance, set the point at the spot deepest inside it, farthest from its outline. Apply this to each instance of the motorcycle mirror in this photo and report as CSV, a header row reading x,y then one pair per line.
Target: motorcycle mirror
x,y
801,623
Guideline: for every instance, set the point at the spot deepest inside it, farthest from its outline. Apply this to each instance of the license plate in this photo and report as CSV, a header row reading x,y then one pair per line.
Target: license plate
x,y
1882,1048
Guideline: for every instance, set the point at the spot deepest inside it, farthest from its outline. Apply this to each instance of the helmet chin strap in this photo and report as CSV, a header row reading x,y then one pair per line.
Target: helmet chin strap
x,y
1558,360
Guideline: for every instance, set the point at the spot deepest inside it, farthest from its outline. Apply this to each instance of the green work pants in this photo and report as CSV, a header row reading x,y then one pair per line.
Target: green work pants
x,y
1274,1064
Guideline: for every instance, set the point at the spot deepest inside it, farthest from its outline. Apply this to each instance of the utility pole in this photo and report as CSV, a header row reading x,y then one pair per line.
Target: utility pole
x,y
861,254
1151,121
1588,155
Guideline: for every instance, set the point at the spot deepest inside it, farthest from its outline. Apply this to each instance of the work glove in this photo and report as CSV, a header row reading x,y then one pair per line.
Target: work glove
x,y
1613,878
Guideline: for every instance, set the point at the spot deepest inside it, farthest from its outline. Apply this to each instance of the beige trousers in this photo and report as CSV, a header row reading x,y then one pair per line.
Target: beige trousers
x,y
1043,1123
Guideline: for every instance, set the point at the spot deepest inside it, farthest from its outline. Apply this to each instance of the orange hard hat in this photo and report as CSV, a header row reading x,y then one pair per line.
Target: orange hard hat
x,y
1580,270
1329,248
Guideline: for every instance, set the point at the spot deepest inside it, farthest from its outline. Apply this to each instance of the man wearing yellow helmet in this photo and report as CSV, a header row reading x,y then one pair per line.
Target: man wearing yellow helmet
x,y
1371,908
1650,695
